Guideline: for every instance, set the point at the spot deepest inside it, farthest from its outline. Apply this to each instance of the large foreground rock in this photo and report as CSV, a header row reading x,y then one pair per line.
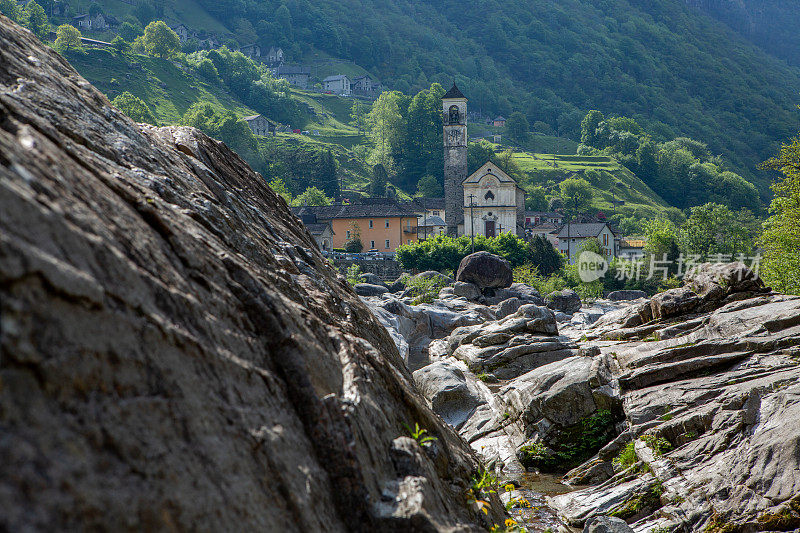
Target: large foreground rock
x,y
566,301
487,271
175,353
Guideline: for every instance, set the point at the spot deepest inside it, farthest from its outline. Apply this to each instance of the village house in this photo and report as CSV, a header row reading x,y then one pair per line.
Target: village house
x,y
430,216
295,75
534,218
183,32
573,235
274,57
338,84
430,227
366,86
253,51
545,229
499,122
632,249
208,43
85,22
321,231
381,223
261,125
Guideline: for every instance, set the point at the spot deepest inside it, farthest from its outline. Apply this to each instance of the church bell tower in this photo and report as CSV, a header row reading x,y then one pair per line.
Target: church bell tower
x,y
454,109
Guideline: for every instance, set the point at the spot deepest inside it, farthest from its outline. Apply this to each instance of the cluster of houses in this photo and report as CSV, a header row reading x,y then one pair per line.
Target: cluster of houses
x,y
382,224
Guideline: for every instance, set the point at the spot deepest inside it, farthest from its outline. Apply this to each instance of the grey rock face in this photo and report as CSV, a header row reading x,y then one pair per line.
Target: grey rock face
x,y
373,279
470,291
673,302
508,307
607,524
487,271
566,301
399,285
513,345
367,289
619,296
176,354
526,293
432,274
722,389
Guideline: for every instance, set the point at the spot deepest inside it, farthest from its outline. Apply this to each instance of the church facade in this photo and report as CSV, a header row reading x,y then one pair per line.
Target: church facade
x,y
493,203
487,202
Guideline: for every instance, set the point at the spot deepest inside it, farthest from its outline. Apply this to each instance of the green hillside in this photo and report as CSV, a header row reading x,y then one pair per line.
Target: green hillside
x,y
661,62
616,189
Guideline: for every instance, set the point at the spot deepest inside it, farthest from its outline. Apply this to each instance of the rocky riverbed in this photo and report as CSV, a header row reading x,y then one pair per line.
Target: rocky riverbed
x,y
676,413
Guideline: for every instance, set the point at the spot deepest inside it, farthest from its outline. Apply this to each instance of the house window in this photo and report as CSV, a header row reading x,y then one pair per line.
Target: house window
x,y
370,224
436,213
371,244
387,223
605,239
348,235
489,196
387,243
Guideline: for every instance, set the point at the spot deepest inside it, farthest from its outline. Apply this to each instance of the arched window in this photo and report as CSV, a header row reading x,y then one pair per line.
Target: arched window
x,y
489,196
454,118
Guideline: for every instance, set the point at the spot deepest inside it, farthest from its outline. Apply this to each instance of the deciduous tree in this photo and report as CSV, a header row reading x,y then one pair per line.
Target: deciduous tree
x,y
160,40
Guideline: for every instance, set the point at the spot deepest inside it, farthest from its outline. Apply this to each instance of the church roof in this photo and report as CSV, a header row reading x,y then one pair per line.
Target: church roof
x,y
453,93
488,168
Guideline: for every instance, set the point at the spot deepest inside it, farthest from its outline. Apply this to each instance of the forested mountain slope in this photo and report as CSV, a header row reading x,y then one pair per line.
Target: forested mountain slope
x,y
771,24
660,61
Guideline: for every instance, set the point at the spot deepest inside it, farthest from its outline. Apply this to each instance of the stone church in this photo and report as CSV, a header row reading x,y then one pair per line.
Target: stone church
x,y
487,202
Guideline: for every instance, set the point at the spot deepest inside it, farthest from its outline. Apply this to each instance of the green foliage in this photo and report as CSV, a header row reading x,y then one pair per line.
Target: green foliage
x,y
626,457
10,8
160,40
429,187
279,187
121,45
682,170
134,107
35,19
517,127
354,246
536,199
781,238
423,290
577,195
445,253
641,501
420,435
658,445
311,197
221,124
377,186
129,31
581,441
68,38
353,274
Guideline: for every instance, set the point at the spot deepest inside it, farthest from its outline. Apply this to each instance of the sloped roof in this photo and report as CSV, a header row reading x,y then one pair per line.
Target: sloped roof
x,y
336,77
579,230
454,92
385,210
543,214
488,168
498,119
422,203
432,221
318,228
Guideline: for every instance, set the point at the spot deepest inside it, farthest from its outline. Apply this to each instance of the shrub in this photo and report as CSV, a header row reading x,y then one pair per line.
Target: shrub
x,y
354,246
353,274
423,290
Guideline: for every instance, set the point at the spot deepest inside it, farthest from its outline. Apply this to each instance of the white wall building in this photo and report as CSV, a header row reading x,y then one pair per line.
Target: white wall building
x,y
572,236
493,203
339,84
